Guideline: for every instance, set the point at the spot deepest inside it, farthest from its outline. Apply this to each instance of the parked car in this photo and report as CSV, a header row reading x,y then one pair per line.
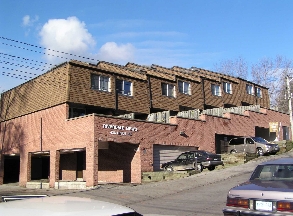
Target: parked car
x,y
256,145
61,206
197,160
269,191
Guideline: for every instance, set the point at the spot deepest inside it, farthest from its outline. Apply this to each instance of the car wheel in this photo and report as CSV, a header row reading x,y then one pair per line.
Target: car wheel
x,y
233,151
199,167
210,168
259,152
169,168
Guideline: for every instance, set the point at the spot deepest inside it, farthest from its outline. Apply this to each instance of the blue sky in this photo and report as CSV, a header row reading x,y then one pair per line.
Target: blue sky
x,y
186,33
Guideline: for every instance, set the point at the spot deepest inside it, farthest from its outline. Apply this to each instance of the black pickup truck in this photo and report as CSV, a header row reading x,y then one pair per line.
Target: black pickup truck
x,y
197,160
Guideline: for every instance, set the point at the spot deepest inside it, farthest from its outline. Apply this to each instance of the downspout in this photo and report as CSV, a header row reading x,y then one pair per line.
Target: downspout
x,y
150,92
203,93
67,90
116,96
41,137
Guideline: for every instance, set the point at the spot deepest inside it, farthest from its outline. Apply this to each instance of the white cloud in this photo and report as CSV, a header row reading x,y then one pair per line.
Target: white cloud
x,y
66,35
71,36
113,52
27,21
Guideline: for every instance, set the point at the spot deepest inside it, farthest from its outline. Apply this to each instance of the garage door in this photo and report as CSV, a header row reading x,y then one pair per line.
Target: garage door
x,y
166,153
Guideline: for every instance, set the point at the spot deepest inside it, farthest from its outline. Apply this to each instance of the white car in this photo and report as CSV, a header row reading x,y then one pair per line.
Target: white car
x,y
63,206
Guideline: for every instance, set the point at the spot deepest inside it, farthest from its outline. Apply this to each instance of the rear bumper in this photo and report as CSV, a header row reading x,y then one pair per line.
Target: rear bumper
x,y
212,163
241,212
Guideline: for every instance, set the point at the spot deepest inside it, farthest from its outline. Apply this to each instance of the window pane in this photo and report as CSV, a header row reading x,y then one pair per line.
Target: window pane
x,y
127,88
95,81
229,88
258,92
119,86
216,90
249,89
186,87
164,89
180,86
104,83
171,90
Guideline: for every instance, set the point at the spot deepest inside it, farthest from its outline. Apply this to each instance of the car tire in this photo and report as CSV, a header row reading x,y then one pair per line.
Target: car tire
x,y
169,168
259,152
211,168
198,167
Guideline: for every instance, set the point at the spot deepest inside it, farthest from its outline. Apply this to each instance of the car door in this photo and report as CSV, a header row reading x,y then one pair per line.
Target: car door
x,y
190,160
250,145
181,161
198,157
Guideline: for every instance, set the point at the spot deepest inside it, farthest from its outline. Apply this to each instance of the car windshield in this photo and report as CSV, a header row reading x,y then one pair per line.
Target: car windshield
x,y
273,172
260,140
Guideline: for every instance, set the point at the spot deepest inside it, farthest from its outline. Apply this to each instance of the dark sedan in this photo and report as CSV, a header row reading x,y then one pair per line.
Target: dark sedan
x,y
269,191
197,160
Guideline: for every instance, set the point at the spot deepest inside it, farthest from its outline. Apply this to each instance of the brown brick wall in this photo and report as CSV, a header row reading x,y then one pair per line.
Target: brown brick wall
x,y
68,167
121,160
57,133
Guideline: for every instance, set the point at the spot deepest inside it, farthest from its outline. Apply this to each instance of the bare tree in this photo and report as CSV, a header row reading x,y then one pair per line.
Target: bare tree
x,y
236,67
267,72
271,73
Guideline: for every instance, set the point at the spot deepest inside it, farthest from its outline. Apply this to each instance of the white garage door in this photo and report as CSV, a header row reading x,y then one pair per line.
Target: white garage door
x,y
166,153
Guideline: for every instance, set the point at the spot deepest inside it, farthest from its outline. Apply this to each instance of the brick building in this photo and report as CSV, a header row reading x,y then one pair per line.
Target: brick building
x,y
88,123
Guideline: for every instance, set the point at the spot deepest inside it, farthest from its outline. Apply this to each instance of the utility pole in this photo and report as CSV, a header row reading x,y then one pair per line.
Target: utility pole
x,y
290,104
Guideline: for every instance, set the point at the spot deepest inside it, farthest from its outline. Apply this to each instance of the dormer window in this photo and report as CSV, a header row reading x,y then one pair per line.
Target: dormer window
x,y
124,87
258,92
99,82
216,90
184,87
168,90
249,89
227,87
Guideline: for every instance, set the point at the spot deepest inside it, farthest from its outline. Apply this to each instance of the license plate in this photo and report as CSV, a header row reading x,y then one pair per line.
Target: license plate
x,y
264,206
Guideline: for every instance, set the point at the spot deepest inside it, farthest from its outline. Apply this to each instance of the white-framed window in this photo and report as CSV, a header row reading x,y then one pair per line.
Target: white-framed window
x,y
216,89
227,87
258,92
184,87
249,89
168,90
124,87
99,82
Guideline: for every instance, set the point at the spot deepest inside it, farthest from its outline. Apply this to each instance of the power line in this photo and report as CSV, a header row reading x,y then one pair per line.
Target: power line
x,y
9,64
21,59
70,54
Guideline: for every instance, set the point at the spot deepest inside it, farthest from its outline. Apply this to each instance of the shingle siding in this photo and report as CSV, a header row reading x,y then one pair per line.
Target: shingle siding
x,y
42,92
71,83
